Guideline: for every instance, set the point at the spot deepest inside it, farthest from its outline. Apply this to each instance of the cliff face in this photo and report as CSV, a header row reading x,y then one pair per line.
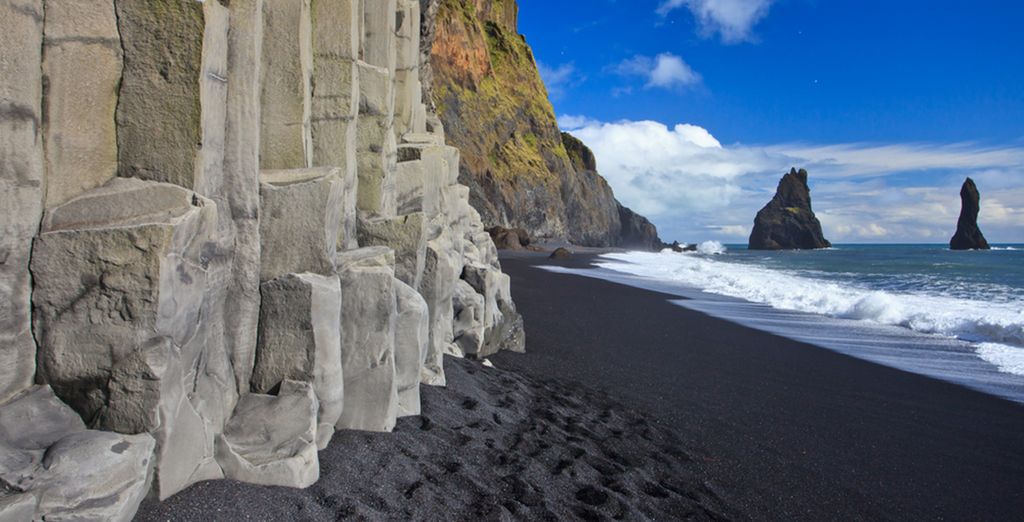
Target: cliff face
x,y
787,222
522,172
968,236
234,229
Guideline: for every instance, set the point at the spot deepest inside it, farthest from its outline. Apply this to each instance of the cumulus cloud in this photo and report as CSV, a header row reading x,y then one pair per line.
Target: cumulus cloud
x,y
666,71
559,78
694,188
733,20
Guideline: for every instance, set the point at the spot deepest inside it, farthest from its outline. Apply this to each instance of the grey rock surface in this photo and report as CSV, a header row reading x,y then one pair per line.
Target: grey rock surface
x,y
21,184
196,286
52,468
300,340
271,440
412,335
301,215
368,314
82,63
120,306
403,234
36,420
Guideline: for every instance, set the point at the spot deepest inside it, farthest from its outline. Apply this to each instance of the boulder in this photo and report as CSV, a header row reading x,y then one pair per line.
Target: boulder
x,y
301,215
509,238
52,468
368,314
560,253
787,221
412,334
21,184
36,420
90,475
271,440
968,236
300,340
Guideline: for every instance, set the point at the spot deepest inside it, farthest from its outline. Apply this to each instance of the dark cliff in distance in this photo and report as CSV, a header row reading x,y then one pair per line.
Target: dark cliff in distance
x,y
787,221
589,201
968,236
521,170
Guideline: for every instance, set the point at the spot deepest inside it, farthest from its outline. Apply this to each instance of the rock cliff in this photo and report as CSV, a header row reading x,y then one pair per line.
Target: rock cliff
x,y
229,229
968,236
521,170
787,221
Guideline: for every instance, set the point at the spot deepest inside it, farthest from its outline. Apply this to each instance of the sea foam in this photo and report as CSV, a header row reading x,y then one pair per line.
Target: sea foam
x,y
993,323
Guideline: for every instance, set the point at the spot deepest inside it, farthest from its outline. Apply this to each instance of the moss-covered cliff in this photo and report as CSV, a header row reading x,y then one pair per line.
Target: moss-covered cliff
x,y
495,109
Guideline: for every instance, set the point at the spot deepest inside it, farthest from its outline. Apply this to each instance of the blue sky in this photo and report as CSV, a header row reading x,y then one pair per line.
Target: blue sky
x,y
696,107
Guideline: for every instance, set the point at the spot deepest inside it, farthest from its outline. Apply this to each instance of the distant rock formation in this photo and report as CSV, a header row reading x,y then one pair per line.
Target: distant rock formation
x,y
522,172
509,238
968,236
560,253
787,221
637,231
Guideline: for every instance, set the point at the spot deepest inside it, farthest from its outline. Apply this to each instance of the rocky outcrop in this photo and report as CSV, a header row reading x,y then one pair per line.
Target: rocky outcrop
x,y
968,236
509,238
787,221
560,253
522,172
637,232
237,230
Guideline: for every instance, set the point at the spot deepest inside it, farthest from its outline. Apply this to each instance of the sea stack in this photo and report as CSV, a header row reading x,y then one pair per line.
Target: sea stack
x,y
968,236
787,221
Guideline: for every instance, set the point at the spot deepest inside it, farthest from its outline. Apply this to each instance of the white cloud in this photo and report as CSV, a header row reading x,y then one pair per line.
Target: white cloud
x,y
734,20
559,78
666,71
689,184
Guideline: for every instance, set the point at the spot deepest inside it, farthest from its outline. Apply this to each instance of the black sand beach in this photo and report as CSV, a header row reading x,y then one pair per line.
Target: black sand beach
x,y
629,407
792,431
493,445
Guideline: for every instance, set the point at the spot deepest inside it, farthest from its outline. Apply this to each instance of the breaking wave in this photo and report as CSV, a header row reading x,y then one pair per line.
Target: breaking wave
x,y
992,323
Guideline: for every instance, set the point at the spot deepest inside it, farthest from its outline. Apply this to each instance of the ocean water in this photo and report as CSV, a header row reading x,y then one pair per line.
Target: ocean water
x,y
956,316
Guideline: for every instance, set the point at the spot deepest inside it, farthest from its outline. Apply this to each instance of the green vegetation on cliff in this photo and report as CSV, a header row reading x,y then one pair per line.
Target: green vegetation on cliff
x,y
495,109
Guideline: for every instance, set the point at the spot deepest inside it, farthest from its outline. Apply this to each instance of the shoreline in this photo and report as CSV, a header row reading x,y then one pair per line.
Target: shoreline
x,y
796,431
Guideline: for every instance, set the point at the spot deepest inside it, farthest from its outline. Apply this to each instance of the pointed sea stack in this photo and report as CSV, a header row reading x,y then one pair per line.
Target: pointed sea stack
x,y
787,221
968,236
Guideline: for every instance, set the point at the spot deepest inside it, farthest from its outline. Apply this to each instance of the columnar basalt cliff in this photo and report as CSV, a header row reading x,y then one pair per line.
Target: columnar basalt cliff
x,y
229,229
522,172
968,235
787,222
